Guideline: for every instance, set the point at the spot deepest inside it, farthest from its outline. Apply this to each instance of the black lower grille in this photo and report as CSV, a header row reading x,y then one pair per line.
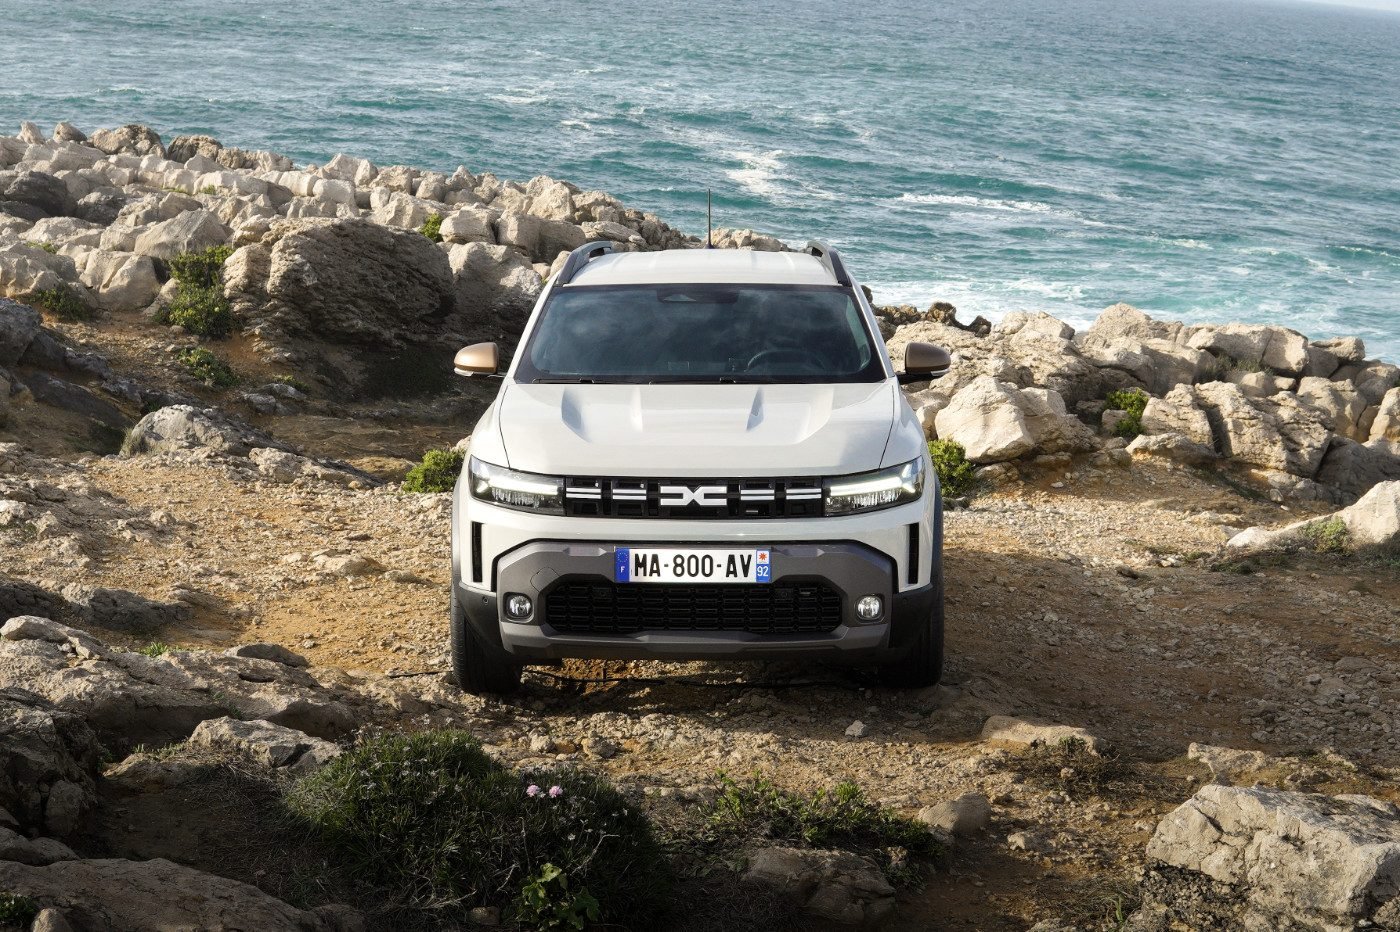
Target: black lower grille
x,y
609,608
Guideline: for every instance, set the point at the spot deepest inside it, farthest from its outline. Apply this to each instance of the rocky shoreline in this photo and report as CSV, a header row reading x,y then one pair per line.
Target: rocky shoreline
x,y
1173,664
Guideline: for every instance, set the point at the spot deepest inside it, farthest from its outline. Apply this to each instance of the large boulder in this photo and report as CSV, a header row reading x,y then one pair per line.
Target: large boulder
x,y
1270,859
184,148
1338,401
130,699
117,895
132,138
1279,433
122,281
1353,467
342,281
19,325
1278,348
987,420
1178,413
1386,423
1373,521
833,886
43,192
183,427
272,746
1052,427
191,231
496,288
48,758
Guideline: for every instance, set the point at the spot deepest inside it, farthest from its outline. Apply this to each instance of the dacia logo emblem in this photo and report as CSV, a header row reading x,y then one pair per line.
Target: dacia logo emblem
x,y
706,496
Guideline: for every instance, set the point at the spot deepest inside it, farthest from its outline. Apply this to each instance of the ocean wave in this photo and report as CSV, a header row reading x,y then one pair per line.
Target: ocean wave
x,y
984,203
759,176
524,99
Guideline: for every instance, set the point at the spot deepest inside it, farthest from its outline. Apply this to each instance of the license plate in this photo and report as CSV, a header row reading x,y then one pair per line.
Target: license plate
x,y
682,565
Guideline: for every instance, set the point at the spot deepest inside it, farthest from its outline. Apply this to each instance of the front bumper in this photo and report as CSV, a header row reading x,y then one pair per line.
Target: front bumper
x,y
853,570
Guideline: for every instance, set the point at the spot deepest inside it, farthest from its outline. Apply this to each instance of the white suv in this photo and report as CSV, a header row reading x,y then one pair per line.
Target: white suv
x,y
698,454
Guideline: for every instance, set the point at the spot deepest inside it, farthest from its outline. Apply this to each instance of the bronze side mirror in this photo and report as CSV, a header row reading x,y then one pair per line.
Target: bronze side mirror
x,y
924,362
477,359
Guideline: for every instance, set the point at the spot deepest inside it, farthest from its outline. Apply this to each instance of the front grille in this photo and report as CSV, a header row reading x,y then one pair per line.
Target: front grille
x,y
609,608
593,497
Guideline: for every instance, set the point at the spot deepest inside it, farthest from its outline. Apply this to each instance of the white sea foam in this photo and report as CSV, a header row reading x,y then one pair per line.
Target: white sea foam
x,y
760,173
984,203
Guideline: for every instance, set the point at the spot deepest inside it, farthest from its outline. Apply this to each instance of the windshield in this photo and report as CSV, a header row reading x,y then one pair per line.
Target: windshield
x,y
701,334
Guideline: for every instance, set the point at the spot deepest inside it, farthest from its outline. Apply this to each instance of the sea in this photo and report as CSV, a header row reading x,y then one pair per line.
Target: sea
x,y
1205,160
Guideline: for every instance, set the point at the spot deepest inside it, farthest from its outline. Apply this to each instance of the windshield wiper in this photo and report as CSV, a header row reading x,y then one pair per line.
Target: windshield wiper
x,y
562,381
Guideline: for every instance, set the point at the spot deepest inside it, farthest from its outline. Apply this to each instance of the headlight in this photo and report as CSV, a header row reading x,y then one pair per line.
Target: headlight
x,y
883,488
522,490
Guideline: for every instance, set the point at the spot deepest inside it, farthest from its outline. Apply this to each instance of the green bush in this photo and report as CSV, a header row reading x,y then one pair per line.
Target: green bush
x,y
437,473
201,310
199,304
1329,536
16,910
200,268
955,474
293,382
430,814
432,228
1133,402
62,302
838,818
208,368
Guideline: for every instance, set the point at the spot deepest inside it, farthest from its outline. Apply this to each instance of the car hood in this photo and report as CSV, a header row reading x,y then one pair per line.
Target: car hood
x,y
696,430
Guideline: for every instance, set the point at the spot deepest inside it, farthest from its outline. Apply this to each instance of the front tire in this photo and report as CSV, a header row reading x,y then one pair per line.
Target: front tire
x,y
922,666
480,668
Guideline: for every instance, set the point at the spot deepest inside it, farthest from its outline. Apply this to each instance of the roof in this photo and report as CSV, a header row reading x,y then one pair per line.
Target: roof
x,y
719,266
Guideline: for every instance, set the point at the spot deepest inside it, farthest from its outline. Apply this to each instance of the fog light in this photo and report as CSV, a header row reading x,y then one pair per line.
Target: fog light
x,y
519,606
870,608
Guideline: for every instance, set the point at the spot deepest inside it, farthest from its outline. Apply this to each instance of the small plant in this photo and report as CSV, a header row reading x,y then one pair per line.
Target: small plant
x,y
547,903
1132,402
209,189
199,305
1328,536
955,474
200,268
154,649
208,368
200,310
17,910
49,248
432,815
437,473
840,817
1071,767
432,228
63,302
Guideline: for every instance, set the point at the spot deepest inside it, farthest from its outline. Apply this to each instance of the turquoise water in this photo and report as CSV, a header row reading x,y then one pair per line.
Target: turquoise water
x,y
1208,160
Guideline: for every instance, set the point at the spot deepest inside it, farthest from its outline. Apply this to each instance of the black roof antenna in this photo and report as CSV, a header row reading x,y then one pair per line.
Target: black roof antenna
x,y
709,223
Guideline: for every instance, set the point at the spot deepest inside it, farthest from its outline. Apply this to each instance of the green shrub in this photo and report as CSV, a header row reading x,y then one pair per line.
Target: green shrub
x,y
154,649
201,310
955,474
294,382
430,814
199,304
209,189
62,302
208,368
838,818
437,473
1329,536
432,228
200,268
16,910
1133,402
49,248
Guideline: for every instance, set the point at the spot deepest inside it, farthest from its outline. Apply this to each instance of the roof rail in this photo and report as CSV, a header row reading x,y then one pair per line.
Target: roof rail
x,y
829,258
581,257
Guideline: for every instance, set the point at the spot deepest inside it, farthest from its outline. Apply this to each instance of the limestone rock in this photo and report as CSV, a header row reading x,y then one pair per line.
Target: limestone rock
x,y
1374,521
191,231
1282,350
496,289
469,225
1052,428
43,192
19,325
1341,405
1020,732
127,896
1177,448
987,420
184,148
966,815
122,281
183,427
835,886
274,652
1355,467
1178,413
132,138
273,746
1386,424
48,758
1289,860
342,281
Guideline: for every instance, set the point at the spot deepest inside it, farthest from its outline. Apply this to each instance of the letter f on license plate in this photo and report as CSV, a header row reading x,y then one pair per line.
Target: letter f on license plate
x,y
691,565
